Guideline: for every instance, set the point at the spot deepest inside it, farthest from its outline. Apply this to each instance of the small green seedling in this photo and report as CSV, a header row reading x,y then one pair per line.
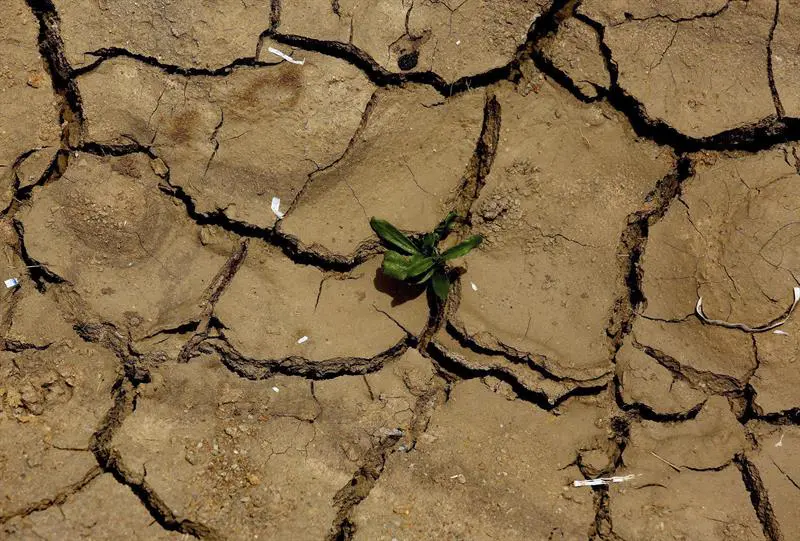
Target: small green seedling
x,y
419,260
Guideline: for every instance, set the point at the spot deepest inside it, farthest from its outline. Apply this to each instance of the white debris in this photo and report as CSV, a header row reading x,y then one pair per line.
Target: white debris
x,y
458,42
11,282
780,442
276,389
474,287
285,56
602,481
784,333
777,322
302,339
276,207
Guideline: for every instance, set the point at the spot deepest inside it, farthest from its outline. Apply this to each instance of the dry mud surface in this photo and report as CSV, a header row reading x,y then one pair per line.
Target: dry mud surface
x,y
621,158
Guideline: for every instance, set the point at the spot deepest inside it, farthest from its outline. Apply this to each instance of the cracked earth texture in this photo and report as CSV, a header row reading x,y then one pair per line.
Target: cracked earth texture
x,y
621,159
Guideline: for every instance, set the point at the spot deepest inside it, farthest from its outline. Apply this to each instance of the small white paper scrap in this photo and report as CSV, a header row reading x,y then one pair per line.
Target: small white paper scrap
x,y
780,442
474,287
303,339
285,56
780,332
276,389
276,207
11,282
602,481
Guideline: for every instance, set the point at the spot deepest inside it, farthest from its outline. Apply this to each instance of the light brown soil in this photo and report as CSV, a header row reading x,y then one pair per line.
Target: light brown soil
x,y
178,361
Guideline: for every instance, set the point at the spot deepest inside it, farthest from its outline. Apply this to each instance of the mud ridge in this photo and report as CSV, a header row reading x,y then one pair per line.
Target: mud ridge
x,y
758,495
714,383
457,368
535,361
643,411
58,499
256,369
215,290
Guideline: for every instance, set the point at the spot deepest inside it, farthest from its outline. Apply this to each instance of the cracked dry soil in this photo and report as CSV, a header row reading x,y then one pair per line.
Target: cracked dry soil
x,y
621,158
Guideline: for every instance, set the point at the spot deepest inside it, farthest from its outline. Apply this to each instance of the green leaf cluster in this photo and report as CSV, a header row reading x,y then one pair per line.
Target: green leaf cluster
x,y
418,260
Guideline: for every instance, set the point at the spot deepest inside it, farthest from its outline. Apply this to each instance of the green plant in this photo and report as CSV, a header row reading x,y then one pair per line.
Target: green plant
x,y
418,260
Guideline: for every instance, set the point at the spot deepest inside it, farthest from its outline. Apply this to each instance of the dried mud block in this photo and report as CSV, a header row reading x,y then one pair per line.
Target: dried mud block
x,y
29,118
248,457
183,32
645,383
450,38
728,238
709,441
785,57
553,209
232,143
526,374
711,358
51,402
417,146
663,504
104,509
686,505
698,66
272,303
777,381
35,321
575,51
129,252
777,459
499,470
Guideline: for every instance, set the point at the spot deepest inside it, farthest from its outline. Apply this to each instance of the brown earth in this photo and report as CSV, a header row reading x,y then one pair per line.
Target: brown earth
x,y
179,361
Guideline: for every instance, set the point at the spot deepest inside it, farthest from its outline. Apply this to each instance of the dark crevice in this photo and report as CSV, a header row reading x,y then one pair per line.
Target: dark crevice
x,y
776,98
56,500
363,481
110,460
51,47
759,498
110,53
753,137
633,242
39,273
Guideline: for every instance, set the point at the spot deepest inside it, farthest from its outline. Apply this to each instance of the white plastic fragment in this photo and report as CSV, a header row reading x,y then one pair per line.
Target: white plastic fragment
x,y
784,333
602,481
474,287
285,56
276,207
780,442
11,282
302,339
276,389
780,320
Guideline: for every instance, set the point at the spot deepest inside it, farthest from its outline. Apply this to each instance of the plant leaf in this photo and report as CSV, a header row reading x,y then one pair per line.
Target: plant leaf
x,y
428,242
440,284
462,248
427,276
396,265
419,264
444,225
389,234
